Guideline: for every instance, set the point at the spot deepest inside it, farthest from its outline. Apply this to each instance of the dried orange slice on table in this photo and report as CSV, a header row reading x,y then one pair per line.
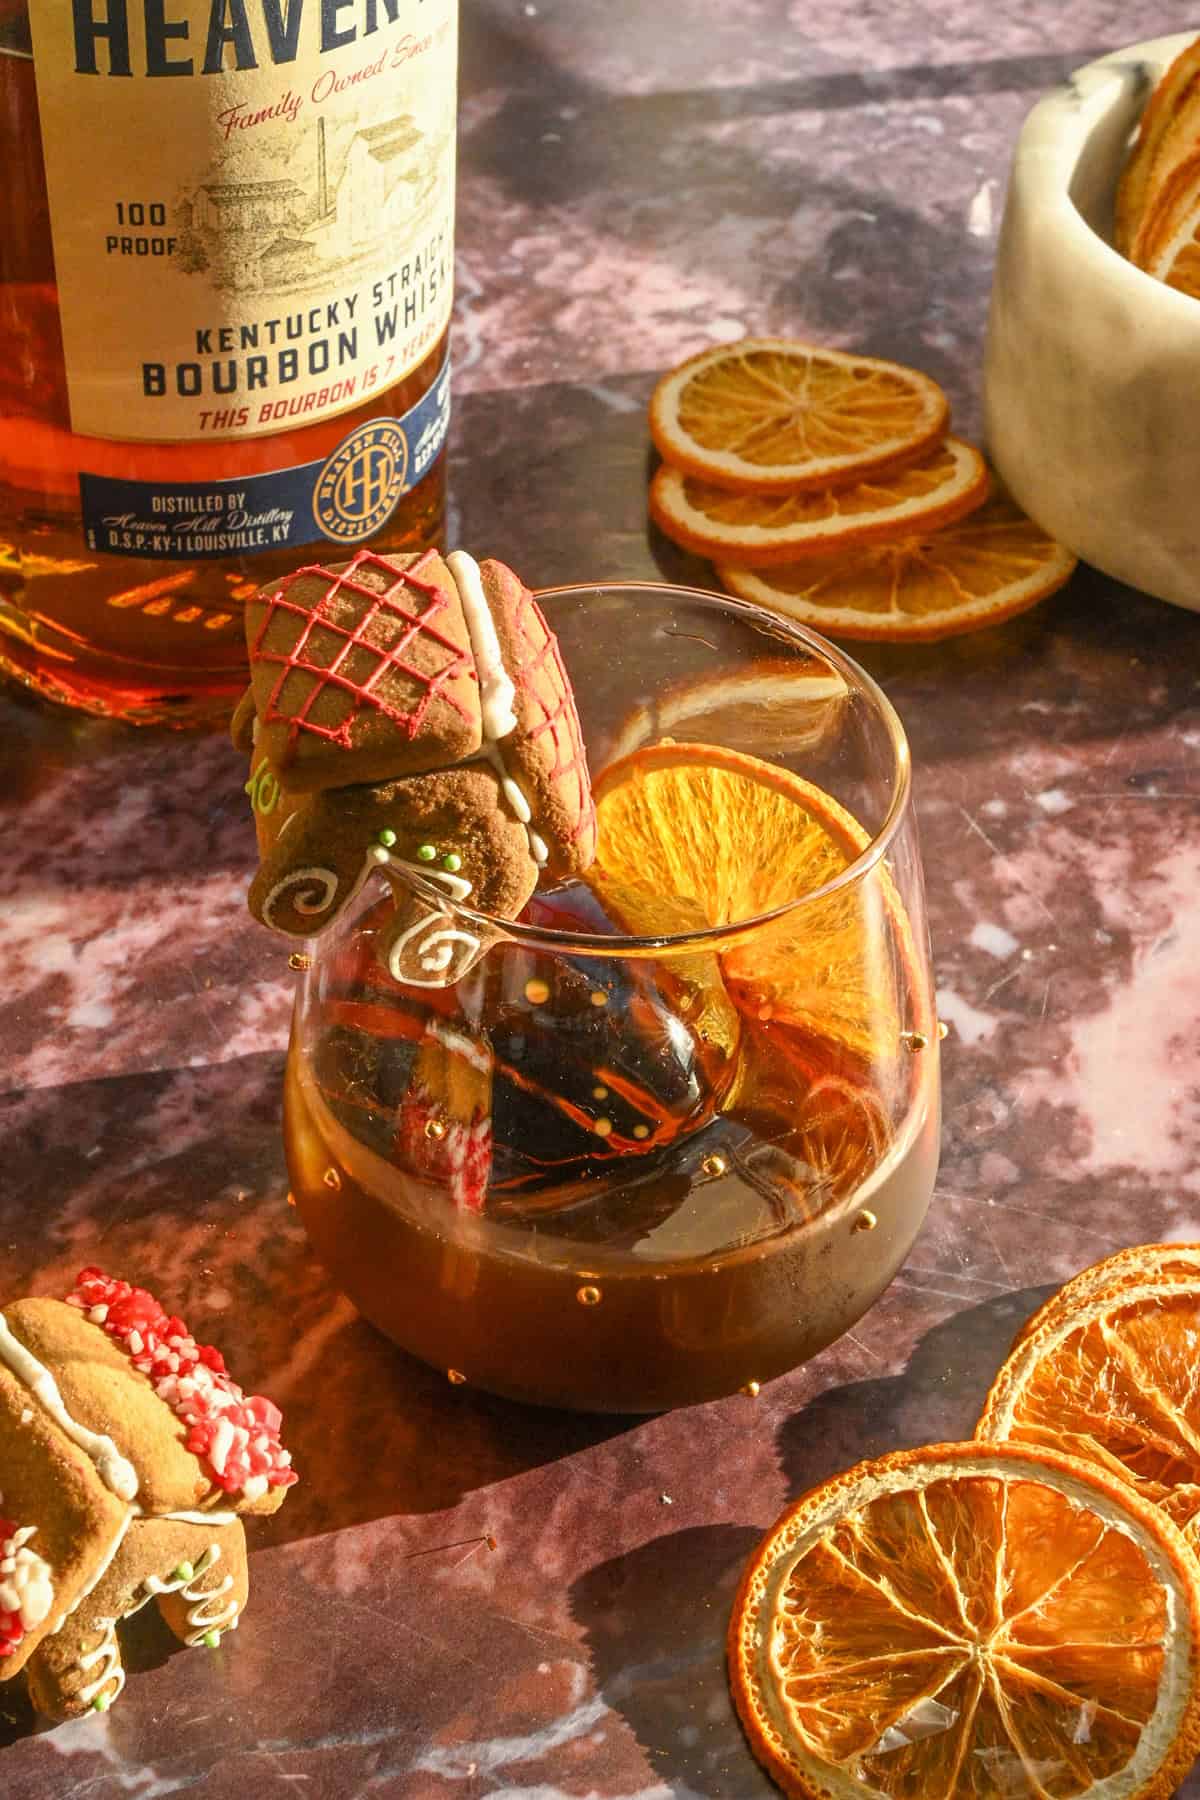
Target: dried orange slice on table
x,y
1113,1379
1141,1263
989,566
756,530
778,413
970,1622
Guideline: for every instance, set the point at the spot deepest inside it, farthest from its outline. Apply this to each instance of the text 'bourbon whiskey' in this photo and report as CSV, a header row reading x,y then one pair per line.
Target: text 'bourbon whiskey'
x,y
226,269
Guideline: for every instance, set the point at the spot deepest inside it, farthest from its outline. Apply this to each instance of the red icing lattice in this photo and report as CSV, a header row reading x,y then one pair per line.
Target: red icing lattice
x,y
561,721
235,1435
399,606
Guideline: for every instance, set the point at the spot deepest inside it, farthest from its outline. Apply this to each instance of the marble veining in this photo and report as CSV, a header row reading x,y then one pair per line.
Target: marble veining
x,y
635,182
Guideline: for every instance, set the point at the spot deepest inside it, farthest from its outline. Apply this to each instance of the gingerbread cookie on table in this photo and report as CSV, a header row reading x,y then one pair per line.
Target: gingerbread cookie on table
x,y
128,1457
410,714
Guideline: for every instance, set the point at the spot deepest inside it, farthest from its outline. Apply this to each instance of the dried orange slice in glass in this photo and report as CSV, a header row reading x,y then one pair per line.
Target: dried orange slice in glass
x,y
777,413
758,530
693,837
970,1622
1141,1263
793,705
1114,1381
834,1132
994,563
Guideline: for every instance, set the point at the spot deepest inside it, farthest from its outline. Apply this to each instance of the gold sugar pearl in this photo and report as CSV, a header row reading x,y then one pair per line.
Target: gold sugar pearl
x,y
914,1040
299,961
456,1378
943,1031
866,1221
603,1127
641,1131
435,1128
588,1296
332,1179
599,1093
537,991
751,1389
716,1164
598,998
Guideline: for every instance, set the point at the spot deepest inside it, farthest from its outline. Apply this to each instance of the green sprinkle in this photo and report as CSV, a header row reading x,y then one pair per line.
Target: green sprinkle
x,y
100,1703
212,1639
387,837
184,1572
452,862
427,853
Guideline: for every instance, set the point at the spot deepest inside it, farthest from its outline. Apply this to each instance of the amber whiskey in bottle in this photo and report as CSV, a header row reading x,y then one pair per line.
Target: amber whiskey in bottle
x,y
226,268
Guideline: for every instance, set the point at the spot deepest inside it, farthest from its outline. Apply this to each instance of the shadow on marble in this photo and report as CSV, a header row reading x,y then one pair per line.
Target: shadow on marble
x,y
146,1644
655,1622
936,1399
17,1717
377,1435
175,1179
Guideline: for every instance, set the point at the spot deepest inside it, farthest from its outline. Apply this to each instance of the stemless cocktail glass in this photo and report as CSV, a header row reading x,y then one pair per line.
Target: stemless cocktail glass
x,y
620,1165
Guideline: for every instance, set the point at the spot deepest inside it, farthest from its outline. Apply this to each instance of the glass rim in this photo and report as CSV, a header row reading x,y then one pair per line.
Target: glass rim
x,y
714,937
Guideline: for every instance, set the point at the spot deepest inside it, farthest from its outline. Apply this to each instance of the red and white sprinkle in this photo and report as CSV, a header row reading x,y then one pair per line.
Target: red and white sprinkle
x,y
236,1435
26,1586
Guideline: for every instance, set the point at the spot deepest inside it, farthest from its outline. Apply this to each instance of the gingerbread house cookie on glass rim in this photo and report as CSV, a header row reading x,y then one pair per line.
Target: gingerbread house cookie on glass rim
x,y
410,714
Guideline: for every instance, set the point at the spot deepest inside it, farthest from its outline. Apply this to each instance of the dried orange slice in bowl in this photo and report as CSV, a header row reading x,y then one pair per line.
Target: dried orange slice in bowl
x,y
1135,193
989,566
970,1622
693,837
1113,1381
757,530
1129,1268
772,413
1169,248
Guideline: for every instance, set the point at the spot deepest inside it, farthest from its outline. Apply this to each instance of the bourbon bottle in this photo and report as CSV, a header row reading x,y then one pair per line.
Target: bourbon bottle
x,y
226,267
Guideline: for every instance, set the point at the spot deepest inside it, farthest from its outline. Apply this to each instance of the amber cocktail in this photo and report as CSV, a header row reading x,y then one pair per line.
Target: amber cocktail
x,y
674,1130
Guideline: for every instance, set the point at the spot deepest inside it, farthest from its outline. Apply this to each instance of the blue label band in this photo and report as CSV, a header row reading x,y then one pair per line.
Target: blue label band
x,y
345,498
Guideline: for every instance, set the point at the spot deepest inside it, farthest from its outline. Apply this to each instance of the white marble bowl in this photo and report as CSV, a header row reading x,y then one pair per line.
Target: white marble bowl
x,y
1092,370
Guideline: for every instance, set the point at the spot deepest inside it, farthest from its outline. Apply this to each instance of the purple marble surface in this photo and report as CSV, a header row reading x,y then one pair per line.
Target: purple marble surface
x,y
636,181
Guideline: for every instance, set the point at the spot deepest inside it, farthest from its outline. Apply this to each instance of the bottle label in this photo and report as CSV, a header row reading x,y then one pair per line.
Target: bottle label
x,y
251,205
345,497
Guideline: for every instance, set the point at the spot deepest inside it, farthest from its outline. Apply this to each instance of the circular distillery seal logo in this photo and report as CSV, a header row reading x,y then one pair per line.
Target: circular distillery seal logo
x,y
361,481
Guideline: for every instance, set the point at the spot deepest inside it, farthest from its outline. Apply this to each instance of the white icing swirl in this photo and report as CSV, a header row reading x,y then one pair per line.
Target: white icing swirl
x,y
318,889
108,1657
206,1612
114,1470
433,953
